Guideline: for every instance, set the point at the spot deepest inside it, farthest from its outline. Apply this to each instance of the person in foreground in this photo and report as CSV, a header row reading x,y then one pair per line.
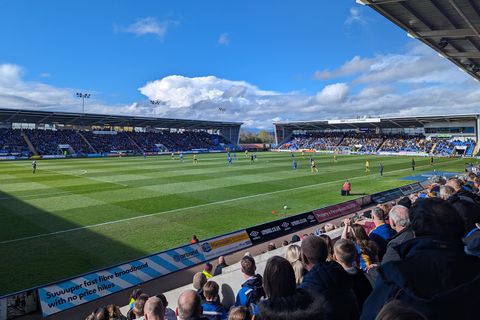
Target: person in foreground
x,y
434,276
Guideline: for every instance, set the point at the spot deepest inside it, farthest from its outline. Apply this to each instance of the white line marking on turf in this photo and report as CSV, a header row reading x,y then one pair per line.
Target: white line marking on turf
x,y
197,206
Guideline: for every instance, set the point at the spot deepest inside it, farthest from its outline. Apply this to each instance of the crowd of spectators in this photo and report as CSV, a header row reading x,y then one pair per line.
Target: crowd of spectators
x,y
48,141
417,258
446,147
407,143
318,141
363,142
12,142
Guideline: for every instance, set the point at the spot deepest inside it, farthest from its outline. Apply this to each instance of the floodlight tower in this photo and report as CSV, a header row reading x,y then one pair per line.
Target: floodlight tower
x,y
155,103
83,95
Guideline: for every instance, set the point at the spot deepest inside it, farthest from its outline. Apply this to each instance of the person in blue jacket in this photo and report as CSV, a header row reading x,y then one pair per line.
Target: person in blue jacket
x,y
212,308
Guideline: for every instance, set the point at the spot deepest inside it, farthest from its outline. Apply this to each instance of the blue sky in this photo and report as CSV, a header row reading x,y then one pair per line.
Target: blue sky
x,y
263,61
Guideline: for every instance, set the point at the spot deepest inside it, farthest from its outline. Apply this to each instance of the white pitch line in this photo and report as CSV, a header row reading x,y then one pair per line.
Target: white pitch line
x,y
195,207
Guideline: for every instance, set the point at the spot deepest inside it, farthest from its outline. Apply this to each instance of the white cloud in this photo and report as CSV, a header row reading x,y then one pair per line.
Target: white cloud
x,y
351,67
45,75
355,16
10,74
148,25
334,93
224,39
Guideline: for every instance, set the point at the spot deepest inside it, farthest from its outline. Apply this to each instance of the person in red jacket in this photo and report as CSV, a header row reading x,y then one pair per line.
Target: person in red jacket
x,y
346,188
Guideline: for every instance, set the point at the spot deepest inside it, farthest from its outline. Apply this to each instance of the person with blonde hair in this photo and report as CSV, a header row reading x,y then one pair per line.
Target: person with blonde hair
x,y
293,255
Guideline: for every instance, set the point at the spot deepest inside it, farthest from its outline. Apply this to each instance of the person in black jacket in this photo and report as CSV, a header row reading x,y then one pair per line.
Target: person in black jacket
x,y
400,222
465,205
345,253
327,279
434,276
221,264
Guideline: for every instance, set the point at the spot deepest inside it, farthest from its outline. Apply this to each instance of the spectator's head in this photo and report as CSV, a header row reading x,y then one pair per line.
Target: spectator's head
x,y
295,238
271,246
293,253
455,183
359,233
208,267
248,266
378,215
99,314
221,260
138,308
154,309
314,250
113,312
397,310
405,201
135,293
436,217
189,305
285,243
329,243
210,291
239,313
399,219
162,297
278,268
446,192
345,252
199,280
329,227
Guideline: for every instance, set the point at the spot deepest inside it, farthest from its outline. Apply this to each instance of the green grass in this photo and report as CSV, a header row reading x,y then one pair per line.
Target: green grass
x,y
171,201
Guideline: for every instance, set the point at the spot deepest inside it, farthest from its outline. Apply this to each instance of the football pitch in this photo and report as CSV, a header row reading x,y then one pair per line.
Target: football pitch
x,y
77,215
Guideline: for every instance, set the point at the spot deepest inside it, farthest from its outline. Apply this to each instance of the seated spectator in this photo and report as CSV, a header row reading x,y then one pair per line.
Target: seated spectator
x,y
271,246
400,222
465,205
207,270
114,312
137,311
345,253
285,243
221,264
134,296
169,313
252,289
396,310
434,274
239,313
329,243
99,314
293,256
367,250
295,238
327,279
199,281
283,300
189,306
382,232
154,309
212,308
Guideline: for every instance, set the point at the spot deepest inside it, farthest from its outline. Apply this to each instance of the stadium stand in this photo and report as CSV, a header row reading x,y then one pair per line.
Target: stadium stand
x,y
12,142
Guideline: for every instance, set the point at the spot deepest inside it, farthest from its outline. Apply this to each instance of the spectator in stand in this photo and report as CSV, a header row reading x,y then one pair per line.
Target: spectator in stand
x,y
271,246
329,242
295,238
435,273
400,222
99,314
137,311
293,256
239,313
189,306
194,239
327,279
134,296
463,202
346,255
397,310
212,308
154,309
382,232
252,289
199,281
367,250
221,264
169,313
207,270
283,300
114,312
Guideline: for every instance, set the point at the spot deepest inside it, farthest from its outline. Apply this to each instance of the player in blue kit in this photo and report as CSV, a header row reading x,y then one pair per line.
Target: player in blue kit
x,y
294,165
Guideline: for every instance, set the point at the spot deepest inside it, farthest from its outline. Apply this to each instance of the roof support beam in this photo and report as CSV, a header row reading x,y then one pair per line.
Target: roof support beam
x,y
447,33
472,55
460,12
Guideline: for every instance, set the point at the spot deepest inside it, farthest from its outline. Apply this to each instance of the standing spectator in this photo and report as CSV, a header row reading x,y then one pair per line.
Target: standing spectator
x,y
327,279
154,309
207,270
367,250
134,296
345,253
400,222
212,309
189,306
328,241
221,264
252,289
293,256
346,188
435,273
382,232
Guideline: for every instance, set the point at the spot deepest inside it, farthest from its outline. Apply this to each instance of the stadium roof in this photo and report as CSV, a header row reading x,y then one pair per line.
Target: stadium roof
x,y
88,119
451,27
388,122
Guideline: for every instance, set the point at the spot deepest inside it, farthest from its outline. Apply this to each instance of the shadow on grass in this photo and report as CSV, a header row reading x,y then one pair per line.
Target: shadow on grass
x,y
35,261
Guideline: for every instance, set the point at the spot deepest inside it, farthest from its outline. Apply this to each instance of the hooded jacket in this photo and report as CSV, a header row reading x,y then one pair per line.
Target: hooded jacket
x,y
435,277
250,292
331,281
